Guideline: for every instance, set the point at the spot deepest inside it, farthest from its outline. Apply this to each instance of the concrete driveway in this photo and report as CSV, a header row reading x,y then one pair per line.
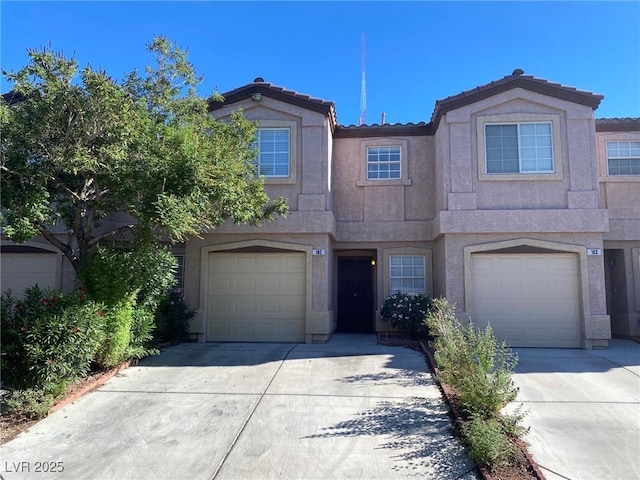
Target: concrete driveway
x,y
347,409
583,410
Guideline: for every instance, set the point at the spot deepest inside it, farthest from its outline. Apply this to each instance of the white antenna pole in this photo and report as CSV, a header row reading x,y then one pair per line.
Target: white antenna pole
x,y
363,89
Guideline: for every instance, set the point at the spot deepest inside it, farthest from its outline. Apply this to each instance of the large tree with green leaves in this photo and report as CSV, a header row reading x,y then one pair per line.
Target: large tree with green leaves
x,y
78,148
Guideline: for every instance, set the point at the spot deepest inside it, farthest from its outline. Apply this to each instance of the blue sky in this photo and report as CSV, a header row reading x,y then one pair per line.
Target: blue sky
x,y
416,52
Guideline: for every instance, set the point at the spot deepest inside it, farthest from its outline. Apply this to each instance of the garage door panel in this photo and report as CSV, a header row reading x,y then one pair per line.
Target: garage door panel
x,y
256,297
23,270
531,299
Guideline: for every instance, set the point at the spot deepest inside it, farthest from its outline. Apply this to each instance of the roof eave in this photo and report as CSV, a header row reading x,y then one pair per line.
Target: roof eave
x,y
617,124
266,90
509,83
386,130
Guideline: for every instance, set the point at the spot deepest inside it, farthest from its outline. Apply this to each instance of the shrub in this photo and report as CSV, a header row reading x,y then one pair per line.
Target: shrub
x,y
118,320
144,273
132,282
407,313
142,330
473,362
31,403
488,444
172,319
479,369
48,339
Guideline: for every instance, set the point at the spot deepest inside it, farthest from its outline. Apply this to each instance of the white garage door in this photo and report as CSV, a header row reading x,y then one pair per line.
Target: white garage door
x,y
531,299
23,270
256,297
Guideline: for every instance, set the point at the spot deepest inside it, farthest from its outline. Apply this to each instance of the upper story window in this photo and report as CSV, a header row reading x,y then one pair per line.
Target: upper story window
x,y
519,148
623,158
407,274
273,145
383,163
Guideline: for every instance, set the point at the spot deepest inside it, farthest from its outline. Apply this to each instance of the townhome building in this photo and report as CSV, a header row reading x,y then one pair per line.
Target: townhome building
x,y
513,201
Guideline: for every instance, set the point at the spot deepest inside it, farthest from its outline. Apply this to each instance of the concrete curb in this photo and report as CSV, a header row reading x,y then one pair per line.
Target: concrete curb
x,y
95,383
484,473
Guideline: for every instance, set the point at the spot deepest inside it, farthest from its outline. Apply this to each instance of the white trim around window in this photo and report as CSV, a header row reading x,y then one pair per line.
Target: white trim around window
x,y
519,147
407,273
276,141
272,159
407,268
623,157
383,161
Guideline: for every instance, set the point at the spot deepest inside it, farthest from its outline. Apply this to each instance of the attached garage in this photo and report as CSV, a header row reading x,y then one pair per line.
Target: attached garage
x,y
23,270
256,297
531,299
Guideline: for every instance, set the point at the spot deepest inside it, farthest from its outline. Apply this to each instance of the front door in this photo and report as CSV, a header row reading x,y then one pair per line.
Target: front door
x,y
355,295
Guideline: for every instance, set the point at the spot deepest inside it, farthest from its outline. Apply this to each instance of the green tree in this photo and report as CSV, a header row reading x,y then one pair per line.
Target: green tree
x,y
78,148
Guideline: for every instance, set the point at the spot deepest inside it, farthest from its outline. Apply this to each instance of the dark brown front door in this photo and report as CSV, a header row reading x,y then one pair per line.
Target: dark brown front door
x,y
355,295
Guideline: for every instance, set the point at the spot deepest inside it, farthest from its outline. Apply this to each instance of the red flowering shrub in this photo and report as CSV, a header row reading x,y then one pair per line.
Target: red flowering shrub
x,y
48,338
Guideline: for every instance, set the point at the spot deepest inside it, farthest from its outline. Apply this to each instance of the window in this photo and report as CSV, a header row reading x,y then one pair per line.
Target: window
x,y
179,274
383,163
407,274
519,148
623,158
273,152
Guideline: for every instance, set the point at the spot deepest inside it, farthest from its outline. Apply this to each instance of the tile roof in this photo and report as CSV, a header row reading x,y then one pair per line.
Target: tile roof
x,y
385,130
259,86
618,124
516,80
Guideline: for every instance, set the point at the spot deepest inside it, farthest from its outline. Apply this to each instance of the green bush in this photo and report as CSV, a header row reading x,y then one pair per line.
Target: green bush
x,y
132,283
479,368
118,321
488,444
473,362
407,313
48,339
32,403
143,328
173,318
144,273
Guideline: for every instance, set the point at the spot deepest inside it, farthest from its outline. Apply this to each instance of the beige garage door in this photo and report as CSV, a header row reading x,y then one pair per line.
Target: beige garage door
x,y
256,297
532,299
23,270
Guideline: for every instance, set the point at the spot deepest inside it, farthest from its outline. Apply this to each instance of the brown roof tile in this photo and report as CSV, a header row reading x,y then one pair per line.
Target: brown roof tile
x,y
385,130
277,93
618,124
516,80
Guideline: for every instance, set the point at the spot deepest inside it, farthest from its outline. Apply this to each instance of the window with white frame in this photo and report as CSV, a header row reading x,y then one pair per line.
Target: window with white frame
x,y
272,158
383,162
519,148
407,274
623,158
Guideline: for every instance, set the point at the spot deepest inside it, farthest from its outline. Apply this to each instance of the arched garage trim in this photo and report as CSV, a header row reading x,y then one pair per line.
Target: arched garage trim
x,y
540,246
248,245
